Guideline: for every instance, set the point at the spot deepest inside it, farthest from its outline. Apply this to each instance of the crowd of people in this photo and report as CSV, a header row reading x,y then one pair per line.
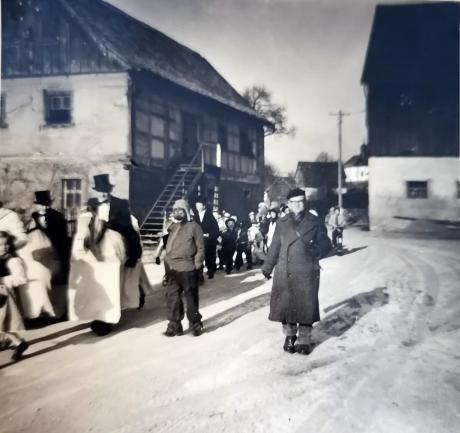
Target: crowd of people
x,y
46,276
94,276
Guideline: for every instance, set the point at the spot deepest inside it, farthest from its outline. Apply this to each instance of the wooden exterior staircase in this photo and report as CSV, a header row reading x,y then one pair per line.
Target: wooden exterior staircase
x,y
181,185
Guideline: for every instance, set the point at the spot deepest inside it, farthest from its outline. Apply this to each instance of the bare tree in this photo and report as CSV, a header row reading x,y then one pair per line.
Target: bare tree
x,y
324,157
261,100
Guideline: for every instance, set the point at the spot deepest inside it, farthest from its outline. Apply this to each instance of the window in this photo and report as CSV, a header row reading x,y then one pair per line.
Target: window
x,y
248,141
71,193
3,123
222,136
71,202
58,108
417,189
234,138
157,149
210,134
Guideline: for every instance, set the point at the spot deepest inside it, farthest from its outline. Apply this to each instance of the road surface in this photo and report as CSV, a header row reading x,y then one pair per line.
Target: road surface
x,y
387,357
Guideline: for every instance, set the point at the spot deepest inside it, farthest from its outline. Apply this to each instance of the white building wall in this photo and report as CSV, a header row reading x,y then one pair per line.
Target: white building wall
x,y
357,173
35,156
101,117
388,190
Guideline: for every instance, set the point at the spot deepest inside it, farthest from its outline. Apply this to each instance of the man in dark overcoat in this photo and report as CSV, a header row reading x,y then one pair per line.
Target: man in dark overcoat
x,y
300,240
119,218
54,225
204,217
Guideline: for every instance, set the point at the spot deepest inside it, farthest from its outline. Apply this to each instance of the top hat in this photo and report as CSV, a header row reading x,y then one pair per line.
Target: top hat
x,y
101,183
43,198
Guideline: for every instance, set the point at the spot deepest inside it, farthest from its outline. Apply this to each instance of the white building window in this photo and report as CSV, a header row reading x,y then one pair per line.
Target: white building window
x,y
72,199
417,189
71,193
58,107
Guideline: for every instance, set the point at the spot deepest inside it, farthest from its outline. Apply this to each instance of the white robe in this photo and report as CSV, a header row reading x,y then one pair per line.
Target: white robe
x,y
100,286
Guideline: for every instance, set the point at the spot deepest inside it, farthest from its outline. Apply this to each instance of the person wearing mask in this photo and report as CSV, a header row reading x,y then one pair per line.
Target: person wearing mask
x,y
184,255
300,240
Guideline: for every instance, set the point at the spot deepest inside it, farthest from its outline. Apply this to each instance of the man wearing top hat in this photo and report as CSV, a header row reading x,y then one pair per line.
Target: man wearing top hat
x,y
54,225
118,218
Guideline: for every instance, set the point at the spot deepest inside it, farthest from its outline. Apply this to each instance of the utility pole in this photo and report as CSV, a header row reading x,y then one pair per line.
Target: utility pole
x,y
340,115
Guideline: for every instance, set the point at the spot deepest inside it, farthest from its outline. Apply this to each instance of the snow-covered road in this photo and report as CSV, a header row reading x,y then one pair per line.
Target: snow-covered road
x,y
387,357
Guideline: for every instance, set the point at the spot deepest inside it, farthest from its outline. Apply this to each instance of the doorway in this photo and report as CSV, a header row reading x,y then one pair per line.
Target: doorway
x,y
190,131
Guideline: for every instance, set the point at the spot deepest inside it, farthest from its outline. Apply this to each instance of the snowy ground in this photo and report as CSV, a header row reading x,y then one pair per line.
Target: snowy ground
x,y
387,357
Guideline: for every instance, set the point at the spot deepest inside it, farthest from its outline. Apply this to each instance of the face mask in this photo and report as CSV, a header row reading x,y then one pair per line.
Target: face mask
x,y
179,218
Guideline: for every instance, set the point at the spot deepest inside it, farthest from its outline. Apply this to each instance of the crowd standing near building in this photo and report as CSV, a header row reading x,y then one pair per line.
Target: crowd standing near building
x,y
47,276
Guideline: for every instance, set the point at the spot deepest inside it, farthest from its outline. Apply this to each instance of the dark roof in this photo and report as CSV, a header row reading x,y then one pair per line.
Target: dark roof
x,y
356,161
318,174
135,45
413,43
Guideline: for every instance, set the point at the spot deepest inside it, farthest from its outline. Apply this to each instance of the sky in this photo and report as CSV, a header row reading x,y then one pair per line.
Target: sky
x,y
308,53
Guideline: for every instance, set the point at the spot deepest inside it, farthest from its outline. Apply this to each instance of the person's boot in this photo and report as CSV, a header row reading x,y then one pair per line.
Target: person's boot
x,y
19,350
101,328
197,329
304,349
305,345
289,344
174,329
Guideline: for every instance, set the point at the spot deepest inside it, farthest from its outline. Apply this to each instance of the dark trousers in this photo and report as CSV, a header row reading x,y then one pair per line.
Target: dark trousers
x,y
227,254
210,256
336,235
182,283
220,254
246,250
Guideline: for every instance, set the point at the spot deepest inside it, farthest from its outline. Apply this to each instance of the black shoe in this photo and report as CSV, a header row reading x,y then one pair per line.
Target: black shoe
x,y
197,329
101,328
210,276
304,349
220,268
289,345
174,329
19,350
141,301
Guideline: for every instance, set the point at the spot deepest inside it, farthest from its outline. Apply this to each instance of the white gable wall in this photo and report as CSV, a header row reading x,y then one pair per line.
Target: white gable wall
x,y
388,195
101,117
35,156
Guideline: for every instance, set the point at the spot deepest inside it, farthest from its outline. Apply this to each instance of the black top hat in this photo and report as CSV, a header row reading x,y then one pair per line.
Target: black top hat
x,y
43,198
101,183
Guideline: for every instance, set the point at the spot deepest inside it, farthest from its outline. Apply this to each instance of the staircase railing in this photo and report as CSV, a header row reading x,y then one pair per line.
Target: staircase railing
x,y
179,183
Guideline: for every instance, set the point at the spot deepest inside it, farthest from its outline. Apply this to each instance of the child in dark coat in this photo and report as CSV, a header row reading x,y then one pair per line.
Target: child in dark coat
x,y
229,238
243,246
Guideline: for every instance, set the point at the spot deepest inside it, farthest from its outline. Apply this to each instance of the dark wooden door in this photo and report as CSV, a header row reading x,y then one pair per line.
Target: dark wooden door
x,y
190,125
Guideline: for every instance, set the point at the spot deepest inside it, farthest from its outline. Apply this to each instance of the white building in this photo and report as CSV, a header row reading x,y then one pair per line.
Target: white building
x,y
411,79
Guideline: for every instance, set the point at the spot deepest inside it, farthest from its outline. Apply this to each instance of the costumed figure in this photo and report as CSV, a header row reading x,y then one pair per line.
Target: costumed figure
x,y
105,270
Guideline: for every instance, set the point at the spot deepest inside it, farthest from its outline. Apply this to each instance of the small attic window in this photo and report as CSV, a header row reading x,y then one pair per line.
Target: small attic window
x,y
58,107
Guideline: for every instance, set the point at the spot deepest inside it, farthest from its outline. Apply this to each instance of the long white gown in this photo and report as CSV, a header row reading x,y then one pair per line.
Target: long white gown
x,y
99,284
